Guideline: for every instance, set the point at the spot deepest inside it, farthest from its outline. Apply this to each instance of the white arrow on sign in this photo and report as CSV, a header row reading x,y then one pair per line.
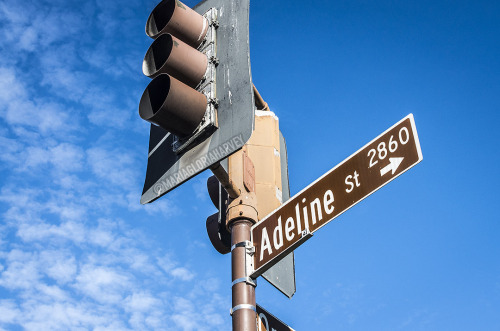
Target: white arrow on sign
x,y
395,162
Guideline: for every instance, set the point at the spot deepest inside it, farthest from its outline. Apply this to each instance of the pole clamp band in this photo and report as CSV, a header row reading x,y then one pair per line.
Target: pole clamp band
x,y
246,244
242,306
247,280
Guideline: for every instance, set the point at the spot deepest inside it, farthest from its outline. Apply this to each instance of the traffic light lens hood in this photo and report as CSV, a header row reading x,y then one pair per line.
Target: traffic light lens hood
x,y
157,55
172,16
172,105
159,18
170,55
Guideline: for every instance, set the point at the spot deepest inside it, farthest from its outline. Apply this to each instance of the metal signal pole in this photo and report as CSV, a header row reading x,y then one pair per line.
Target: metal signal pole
x,y
243,289
239,182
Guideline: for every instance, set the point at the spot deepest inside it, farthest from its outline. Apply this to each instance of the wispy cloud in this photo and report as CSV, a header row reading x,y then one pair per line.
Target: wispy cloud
x,y
91,268
419,319
71,171
113,166
32,25
19,108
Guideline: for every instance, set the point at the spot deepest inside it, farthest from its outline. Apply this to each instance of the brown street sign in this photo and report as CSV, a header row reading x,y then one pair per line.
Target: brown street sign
x,y
376,164
268,322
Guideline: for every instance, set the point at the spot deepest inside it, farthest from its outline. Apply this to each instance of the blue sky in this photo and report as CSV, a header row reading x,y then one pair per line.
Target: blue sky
x,y
78,251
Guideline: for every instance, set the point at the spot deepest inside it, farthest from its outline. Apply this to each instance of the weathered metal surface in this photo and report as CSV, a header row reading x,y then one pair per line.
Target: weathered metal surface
x,y
282,274
243,207
259,101
248,173
222,176
235,111
243,293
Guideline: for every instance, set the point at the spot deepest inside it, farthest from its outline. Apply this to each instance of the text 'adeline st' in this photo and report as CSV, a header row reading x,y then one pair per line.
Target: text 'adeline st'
x,y
384,158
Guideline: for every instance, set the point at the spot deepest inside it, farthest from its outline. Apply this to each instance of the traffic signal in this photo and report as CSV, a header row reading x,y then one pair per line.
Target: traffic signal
x,y
267,149
216,224
200,102
172,100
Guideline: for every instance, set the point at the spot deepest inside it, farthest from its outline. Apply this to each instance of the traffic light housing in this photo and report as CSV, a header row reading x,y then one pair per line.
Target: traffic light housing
x,y
216,224
267,149
200,101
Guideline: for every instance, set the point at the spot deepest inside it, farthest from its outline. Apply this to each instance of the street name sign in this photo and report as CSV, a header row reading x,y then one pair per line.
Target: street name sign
x,y
376,164
269,322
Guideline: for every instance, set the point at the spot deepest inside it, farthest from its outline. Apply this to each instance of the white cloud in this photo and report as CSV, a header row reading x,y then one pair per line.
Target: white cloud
x,y
67,157
141,302
28,39
103,284
20,198
63,157
18,108
113,166
67,211
51,292
12,13
72,182
170,266
101,237
182,273
29,26
58,265
65,82
10,149
10,88
21,272
35,157
199,186
419,318
65,316
109,296
163,208
9,313
185,316
68,231
146,312
66,181
52,118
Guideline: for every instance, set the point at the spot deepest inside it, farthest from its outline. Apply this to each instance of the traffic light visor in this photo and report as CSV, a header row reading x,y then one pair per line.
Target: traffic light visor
x,y
172,16
170,55
172,105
